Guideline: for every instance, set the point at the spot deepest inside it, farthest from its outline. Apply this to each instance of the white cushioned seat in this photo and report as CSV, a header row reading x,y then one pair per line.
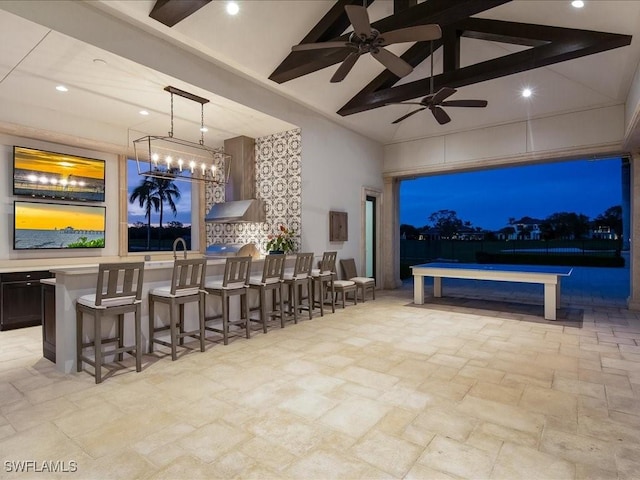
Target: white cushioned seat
x,y
257,280
166,291
90,301
218,285
290,276
363,280
343,283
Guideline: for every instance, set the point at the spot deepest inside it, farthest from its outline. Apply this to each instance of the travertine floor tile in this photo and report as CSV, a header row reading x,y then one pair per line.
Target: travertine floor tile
x,y
384,389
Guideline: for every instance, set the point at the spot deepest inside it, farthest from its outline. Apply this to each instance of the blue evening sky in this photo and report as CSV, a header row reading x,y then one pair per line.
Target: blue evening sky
x,y
137,214
489,198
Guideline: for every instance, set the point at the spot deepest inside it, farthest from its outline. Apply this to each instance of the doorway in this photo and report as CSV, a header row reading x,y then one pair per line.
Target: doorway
x,y
370,251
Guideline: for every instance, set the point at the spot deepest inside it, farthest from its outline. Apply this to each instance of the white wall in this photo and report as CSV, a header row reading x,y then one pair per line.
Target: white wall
x,y
589,132
336,162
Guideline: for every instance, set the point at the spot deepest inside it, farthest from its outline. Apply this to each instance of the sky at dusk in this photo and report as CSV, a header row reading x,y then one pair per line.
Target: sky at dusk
x,y
137,213
489,198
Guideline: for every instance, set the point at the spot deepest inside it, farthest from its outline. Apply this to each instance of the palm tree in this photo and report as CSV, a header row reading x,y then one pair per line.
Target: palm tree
x,y
144,193
151,194
166,191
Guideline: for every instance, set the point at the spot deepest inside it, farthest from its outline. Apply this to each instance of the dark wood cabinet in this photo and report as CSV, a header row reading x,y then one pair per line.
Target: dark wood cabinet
x,y
20,299
49,321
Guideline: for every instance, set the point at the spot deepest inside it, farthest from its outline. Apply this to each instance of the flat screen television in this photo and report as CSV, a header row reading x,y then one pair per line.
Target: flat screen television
x,y
41,174
57,225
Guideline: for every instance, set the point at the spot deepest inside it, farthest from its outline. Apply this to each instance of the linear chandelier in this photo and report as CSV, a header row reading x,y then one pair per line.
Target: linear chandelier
x,y
171,158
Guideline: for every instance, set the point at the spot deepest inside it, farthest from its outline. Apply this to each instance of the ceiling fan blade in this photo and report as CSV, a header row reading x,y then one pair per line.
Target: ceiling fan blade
x,y
441,115
464,103
359,18
395,64
408,115
317,46
345,67
441,94
405,103
419,33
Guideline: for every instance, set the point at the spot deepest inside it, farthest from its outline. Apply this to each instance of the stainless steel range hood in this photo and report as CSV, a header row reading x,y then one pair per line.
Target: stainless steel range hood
x,y
241,204
250,210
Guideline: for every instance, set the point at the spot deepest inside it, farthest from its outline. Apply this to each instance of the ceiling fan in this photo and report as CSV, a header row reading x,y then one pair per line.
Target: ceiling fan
x,y
435,102
366,39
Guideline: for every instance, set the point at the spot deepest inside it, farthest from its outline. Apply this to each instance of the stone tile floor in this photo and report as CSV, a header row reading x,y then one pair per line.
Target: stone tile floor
x,y
477,387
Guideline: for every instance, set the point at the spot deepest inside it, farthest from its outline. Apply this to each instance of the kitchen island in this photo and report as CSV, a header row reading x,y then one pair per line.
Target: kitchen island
x,y
73,282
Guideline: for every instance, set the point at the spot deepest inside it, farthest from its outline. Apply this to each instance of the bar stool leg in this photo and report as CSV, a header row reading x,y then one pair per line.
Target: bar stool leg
x,y
151,323
181,323
97,343
244,305
120,334
202,329
225,318
173,313
263,309
138,339
78,340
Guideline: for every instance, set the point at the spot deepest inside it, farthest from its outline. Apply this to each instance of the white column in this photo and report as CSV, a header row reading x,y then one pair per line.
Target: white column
x,y
633,301
391,234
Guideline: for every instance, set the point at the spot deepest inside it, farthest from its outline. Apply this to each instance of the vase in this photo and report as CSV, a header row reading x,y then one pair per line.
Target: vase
x,y
276,252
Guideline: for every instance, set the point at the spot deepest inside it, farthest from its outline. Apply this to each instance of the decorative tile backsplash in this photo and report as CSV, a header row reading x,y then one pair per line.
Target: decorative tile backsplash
x,y
278,184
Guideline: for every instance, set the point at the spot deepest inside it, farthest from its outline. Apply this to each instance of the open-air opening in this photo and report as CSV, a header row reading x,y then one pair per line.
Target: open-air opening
x,y
572,213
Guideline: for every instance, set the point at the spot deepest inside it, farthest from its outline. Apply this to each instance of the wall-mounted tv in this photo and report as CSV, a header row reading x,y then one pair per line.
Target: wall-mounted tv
x,y
56,225
41,174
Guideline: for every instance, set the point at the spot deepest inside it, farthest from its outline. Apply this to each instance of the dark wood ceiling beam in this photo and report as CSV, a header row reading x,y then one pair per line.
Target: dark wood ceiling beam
x,y
400,5
170,12
581,44
451,49
442,12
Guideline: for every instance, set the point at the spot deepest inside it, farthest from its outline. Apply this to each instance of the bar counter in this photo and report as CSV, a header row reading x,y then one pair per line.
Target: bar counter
x,y
73,282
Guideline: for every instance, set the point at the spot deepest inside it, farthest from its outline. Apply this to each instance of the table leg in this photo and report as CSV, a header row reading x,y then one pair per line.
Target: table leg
x,y
437,287
550,300
418,289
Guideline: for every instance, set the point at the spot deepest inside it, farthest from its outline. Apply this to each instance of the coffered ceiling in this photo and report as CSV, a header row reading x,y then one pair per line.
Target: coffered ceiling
x,y
257,43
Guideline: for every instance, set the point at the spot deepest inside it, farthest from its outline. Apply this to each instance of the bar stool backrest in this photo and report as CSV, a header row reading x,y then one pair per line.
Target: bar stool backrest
x,y
349,268
328,262
188,276
302,268
273,268
236,272
119,283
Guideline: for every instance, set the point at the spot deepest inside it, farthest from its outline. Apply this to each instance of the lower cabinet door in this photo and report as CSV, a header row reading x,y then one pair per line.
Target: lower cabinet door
x,y
20,304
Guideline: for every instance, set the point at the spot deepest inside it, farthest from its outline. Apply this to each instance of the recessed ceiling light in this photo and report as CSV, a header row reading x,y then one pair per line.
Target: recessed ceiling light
x,y
62,88
143,112
577,4
232,8
99,61
204,129
526,92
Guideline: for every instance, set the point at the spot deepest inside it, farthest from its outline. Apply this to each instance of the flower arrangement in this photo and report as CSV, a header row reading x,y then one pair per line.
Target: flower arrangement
x,y
282,241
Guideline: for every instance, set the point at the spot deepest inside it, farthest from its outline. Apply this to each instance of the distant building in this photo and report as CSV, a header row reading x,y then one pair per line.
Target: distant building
x,y
526,228
604,232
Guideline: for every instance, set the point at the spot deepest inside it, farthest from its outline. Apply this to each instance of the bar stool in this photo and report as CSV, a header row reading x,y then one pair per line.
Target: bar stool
x,y
270,281
363,284
234,283
323,277
187,286
118,291
297,278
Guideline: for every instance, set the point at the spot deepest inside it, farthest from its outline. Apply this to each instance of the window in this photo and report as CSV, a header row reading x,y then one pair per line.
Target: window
x,y
158,211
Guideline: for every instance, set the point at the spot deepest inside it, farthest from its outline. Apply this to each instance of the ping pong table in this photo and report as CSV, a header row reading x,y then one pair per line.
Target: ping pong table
x,y
549,276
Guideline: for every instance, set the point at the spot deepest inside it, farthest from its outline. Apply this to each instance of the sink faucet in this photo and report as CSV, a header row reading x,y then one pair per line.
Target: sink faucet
x,y
175,247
